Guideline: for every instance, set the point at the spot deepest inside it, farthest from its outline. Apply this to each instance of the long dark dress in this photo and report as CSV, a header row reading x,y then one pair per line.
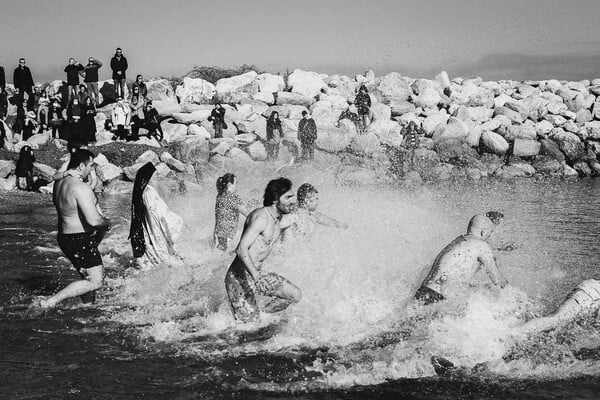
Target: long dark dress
x,y
87,124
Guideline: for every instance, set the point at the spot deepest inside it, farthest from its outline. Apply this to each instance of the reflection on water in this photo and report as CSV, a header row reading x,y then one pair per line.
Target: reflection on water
x,y
172,329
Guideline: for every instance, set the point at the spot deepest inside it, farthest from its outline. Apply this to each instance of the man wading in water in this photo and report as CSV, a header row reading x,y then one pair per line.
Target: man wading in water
x,y
80,229
263,226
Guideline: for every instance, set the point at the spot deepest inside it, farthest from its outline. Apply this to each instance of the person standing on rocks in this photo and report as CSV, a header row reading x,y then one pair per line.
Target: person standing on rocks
x,y
73,69
23,80
3,94
119,65
137,112
81,228
217,116
274,135
91,78
307,134
363,106
410,143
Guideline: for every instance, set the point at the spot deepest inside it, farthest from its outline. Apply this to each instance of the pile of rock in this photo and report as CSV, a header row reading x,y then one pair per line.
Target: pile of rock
x,y
552,126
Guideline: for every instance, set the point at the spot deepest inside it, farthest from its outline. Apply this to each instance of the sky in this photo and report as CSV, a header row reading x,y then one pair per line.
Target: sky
x,y
508,39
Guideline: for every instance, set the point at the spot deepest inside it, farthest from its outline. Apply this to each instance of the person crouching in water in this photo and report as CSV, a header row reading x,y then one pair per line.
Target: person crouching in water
x,y
307,214
228,207
24,170
459,261
154,227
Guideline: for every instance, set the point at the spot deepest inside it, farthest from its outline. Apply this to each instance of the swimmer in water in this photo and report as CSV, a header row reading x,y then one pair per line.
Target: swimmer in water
x,y
459,261
244,281
81,228
228,208
307,215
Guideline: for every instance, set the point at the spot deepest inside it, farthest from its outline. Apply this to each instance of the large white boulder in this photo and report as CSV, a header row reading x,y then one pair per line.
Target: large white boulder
x,y
526,148
108,172
294,99
190,149
195,90
166,108
145,157
306,83
6,167
270,83
333,139
394,86
265,97
365,145
454,129
380,111
427,98
160,89
7,185
257,151
173,132
324,114
233,89
388,132
494,142
432,122
198,130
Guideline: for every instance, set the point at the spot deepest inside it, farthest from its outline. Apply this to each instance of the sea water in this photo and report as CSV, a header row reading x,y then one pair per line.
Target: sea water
x,y
356,332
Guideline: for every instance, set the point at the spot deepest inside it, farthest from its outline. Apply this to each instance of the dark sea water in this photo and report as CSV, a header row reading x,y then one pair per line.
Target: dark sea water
x,y
169,335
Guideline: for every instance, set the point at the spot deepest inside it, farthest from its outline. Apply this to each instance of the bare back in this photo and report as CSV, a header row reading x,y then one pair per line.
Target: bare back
x,y
458,262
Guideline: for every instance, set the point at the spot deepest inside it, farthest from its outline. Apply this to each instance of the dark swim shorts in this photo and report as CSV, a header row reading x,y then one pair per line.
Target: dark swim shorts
x,y
428,296
81,249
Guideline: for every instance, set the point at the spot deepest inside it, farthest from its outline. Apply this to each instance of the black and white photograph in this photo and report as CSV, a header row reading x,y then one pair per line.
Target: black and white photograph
x,y
316,199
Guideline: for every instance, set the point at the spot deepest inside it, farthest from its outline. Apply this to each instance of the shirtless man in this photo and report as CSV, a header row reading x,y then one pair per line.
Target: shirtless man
x,y
263,226
459,262
80,228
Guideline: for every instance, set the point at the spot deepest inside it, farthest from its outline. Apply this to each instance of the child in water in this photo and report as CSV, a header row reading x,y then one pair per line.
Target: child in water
x,y
307,215
227,210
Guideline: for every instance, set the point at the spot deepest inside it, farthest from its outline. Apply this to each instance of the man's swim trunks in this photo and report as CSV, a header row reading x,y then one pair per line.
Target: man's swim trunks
x,y
81,249
586,294
242,290
428,296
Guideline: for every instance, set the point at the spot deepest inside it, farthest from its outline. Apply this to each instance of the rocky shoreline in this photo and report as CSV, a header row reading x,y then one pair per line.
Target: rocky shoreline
x,y
469,124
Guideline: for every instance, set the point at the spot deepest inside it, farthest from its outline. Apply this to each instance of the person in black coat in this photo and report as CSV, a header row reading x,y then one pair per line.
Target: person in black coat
x,y
23,80
73,70
274,135
119,65
3,94
217,116
87,124
55,118
307,134
363,106
24,170
91,78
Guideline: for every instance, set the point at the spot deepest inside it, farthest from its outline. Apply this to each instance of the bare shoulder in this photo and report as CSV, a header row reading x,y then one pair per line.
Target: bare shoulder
x,y
257,216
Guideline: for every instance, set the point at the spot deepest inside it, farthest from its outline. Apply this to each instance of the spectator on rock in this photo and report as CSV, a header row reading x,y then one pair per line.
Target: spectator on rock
x,y
151,122
42,111
363,106
24,170
217,116
137,111
87,124
73,69
3,94
23,80
20,116
82,94
274,135
120,118
119,65
37,94
139,83
91,78
410,142
55,117
29,125
73,119
307,134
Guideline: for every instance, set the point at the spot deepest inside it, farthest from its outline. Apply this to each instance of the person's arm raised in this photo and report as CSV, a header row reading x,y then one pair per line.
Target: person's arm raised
x,y
86,202
326,220
254,227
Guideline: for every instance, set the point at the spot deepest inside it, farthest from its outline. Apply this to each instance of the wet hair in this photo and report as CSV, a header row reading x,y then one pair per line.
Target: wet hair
x,y
79,157
138,209
305,190
275,189
223,181
363,87
495,216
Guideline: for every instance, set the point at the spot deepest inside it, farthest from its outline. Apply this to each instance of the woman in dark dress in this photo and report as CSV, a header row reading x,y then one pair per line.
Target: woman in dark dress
x,y
87,124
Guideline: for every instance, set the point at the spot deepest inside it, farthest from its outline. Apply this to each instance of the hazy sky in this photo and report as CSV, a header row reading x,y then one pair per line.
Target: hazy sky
x,y
518,39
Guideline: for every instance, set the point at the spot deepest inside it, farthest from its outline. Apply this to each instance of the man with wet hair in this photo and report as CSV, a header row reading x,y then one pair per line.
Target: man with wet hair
x,y
80,229
459,261
244,281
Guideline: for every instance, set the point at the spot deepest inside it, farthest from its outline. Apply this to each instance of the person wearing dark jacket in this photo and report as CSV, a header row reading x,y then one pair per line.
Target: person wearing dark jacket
x,y
23,80
217,116
151,122
119,65
139,83
24,170
307,134
91,78
363,106
3,94
87,124
73,70
274,135
55,118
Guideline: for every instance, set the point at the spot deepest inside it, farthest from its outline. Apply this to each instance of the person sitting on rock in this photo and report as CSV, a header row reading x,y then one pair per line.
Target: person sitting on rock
x,y
363,106
141,85
24,170
151,122
459,261
217,116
